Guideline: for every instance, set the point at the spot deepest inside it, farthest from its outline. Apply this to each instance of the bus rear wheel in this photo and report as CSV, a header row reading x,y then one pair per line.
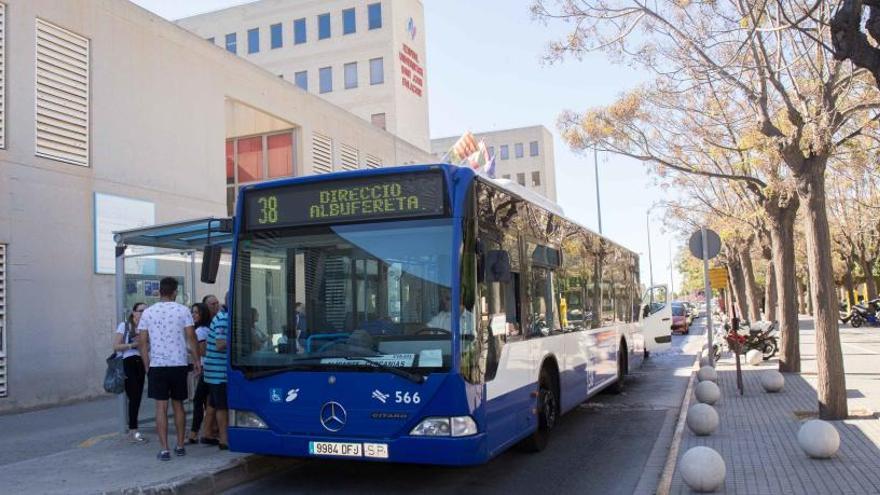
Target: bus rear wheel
x,y
548,413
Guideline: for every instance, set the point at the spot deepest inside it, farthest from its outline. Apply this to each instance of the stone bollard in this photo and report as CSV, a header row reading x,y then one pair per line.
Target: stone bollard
x,y
707,374
754,357
707,392
819,439
702,419
772,381
702,469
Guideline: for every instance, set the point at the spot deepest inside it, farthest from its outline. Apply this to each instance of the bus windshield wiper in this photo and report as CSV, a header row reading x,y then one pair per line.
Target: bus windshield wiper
x,y
413,377
275,371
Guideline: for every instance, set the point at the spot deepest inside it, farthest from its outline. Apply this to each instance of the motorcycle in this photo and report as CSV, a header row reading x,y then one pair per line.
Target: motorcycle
x,y
765,340
863,313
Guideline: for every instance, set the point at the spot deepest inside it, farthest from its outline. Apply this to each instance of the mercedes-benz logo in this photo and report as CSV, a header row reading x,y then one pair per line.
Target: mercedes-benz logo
x,y
333,416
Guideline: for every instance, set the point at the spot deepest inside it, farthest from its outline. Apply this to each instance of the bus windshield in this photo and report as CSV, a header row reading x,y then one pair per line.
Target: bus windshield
x,y
344,297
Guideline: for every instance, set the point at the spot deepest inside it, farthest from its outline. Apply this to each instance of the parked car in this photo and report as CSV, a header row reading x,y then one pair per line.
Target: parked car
x,y
680,323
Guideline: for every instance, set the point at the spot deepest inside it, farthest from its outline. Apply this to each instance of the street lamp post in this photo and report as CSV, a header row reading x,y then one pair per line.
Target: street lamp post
x,y
598,203
650,262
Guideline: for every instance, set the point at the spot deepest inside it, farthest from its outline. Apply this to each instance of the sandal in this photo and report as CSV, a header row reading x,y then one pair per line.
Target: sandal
x,y
210,441
223,446
192,441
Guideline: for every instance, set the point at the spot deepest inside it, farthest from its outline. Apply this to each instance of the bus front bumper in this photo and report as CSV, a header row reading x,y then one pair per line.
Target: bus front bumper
x,y
409,449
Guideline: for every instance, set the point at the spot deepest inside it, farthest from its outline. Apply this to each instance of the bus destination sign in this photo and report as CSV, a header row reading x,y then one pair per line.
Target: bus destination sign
x,y
347,200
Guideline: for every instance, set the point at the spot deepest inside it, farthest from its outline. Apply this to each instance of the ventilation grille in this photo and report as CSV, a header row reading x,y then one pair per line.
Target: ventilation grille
x,y
349,156
322,154
2,75
373,161
2,320
62,103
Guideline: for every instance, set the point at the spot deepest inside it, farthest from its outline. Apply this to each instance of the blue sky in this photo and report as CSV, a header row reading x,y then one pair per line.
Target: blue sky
x,y
484,72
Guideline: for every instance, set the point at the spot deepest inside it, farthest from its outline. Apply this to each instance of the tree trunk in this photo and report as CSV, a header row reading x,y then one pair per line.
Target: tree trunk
x,y
738,281
781,213
770,300
829,358
753,297
848,282
868,269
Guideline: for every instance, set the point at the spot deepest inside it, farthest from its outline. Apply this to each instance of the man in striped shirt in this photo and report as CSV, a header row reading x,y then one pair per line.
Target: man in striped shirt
x,y
215,371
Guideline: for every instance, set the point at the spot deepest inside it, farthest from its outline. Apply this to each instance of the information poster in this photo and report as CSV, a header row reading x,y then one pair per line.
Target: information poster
x,y
115,213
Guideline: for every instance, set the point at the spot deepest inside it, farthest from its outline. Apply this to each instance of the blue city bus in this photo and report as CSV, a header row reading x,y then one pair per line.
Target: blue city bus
x,y
422,314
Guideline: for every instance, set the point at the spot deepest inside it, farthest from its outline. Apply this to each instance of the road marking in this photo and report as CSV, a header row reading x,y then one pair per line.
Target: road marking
x,y
92,441
860,348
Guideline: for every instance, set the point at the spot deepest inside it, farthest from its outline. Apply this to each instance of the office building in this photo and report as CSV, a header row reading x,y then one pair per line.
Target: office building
x,y
113,118
366,56
523,155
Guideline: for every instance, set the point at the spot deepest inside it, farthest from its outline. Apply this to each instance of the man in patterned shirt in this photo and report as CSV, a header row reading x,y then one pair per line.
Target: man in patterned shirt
x,y
166,335
215,371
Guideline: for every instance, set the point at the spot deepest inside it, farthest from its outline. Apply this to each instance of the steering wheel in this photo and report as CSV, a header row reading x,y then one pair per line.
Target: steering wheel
x,y
433,331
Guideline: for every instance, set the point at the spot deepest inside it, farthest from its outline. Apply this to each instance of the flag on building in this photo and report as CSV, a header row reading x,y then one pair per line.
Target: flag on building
x,y
462,149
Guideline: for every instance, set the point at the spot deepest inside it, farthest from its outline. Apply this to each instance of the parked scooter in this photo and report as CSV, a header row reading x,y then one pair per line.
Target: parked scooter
x,y
765,340
861,314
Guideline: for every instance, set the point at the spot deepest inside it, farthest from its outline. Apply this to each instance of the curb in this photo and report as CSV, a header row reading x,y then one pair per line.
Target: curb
x,y
672,458
237,472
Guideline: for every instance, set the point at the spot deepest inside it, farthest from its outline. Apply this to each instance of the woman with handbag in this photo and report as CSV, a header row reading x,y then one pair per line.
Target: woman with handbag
x,y
125,343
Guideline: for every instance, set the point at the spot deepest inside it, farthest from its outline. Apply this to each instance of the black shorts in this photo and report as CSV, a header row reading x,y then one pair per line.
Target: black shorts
x,y
167,382
217,396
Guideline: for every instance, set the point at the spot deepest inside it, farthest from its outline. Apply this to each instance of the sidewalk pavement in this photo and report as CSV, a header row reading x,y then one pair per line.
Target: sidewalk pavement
x,y
77,449
757,434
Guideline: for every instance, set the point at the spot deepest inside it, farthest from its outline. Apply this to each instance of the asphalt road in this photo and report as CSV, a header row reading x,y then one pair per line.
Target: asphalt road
x,y
602,446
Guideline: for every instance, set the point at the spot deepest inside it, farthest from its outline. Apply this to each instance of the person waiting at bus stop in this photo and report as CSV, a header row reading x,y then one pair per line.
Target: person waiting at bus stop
x,y
215,371
166,334
125,343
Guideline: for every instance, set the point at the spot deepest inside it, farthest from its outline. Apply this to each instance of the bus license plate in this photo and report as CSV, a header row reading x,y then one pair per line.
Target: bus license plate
x,y
336,449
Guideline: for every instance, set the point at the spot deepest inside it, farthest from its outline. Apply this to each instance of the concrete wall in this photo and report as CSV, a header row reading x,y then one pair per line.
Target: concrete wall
x,y
158,127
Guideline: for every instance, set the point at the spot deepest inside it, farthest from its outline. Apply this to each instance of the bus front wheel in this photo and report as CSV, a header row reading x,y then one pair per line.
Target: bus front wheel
x,y
618,386
548,412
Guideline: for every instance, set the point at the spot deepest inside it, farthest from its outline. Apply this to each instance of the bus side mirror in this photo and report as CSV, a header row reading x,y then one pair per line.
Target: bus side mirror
x,y
646,312
211,263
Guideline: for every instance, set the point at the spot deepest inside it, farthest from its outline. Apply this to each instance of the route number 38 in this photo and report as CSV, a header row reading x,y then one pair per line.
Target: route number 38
x,y
268,210
406,398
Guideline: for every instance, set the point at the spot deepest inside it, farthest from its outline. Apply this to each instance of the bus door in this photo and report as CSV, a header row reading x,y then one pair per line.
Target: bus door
x,y
657,319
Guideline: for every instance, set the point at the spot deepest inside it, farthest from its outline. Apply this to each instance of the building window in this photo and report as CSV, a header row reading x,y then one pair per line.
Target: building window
x,y
254,40
279,151
299,31
276,35
250,159
506,176
231,43
518,150
491,152
536,178
521,179
62,94
351,75
325,79
377,70
323,26
533,148
349,24
374,14
301,79
230,161
378,120
322,153
505,152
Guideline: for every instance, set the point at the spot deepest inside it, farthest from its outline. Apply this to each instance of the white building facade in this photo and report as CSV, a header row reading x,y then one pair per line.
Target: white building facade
x,y
366,56
112,118
523,155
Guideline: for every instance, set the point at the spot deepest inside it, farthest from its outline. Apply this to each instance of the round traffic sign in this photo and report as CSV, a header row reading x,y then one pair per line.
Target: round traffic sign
x,y
713,244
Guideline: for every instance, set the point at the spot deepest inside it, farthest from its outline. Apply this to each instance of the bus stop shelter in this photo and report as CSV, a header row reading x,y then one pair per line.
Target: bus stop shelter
x,y
150,253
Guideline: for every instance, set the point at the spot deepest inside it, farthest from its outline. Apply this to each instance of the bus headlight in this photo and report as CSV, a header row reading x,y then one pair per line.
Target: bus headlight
x,y
246,419
456,426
